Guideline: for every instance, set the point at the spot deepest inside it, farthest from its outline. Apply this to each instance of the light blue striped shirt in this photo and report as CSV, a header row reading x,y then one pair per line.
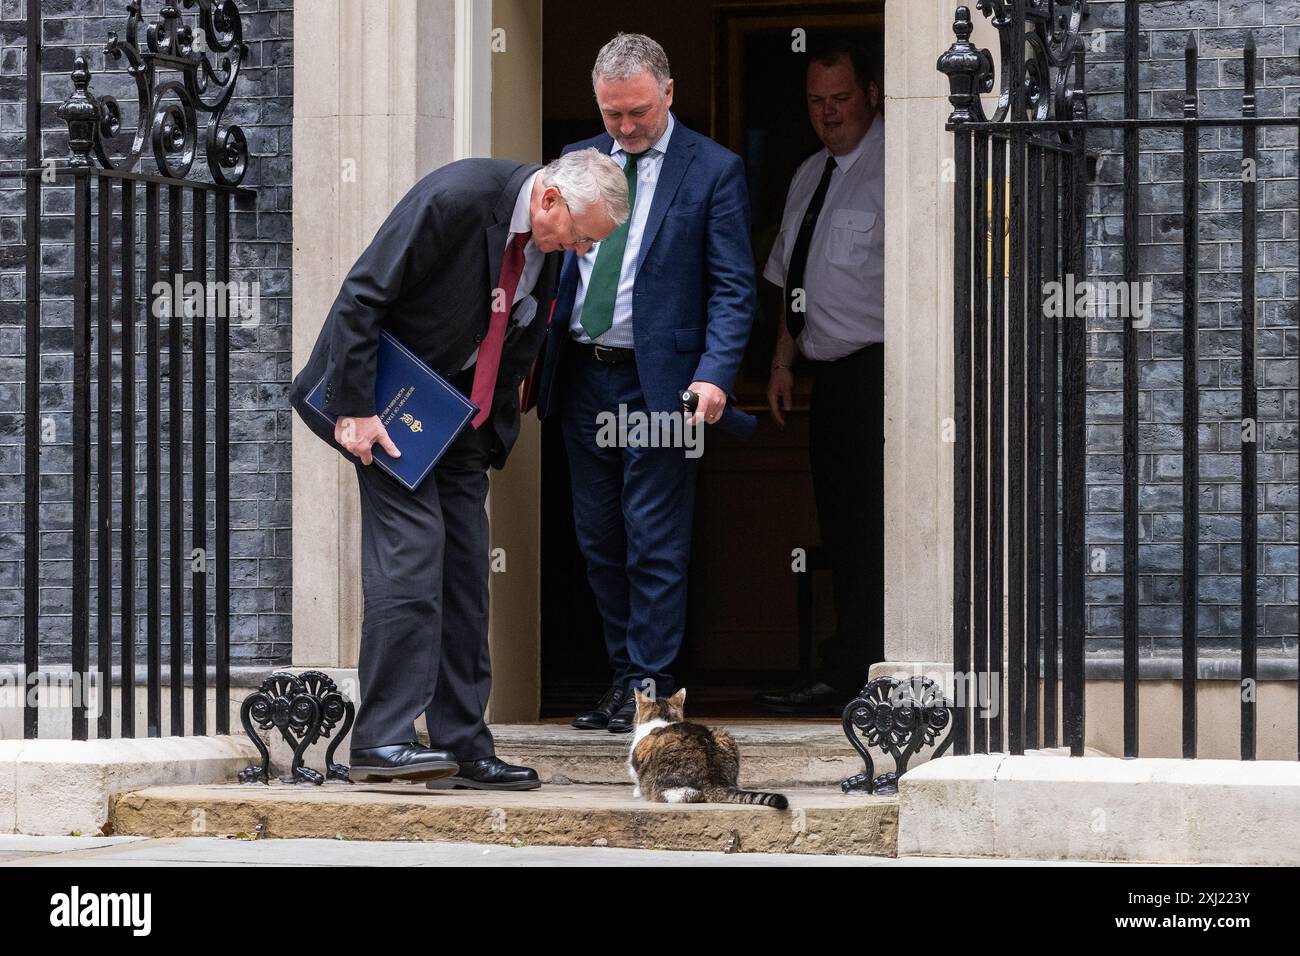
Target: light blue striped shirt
x,y
647,177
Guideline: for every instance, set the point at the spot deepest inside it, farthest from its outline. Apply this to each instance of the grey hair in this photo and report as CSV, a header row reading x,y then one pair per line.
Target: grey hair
x,y
586,176
628,55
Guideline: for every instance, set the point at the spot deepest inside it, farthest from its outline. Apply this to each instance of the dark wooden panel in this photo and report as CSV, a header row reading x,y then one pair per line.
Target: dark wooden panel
x,y
754,505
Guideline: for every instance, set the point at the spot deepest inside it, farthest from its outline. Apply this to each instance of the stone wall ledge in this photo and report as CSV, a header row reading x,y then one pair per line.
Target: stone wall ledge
x,y
1048,807
60,787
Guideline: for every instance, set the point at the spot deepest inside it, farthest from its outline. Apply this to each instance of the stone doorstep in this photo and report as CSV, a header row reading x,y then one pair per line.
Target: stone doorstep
x,y
820,820
773,753
1045,806
53,786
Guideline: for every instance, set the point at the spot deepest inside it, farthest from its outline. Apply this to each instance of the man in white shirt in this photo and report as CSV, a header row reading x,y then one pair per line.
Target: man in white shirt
x,y
829,260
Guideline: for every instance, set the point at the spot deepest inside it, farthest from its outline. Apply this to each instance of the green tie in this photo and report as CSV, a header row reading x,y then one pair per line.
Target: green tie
x,y
602,286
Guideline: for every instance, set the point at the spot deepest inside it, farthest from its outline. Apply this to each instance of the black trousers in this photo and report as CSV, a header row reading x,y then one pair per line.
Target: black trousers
x,y
847,448
424,629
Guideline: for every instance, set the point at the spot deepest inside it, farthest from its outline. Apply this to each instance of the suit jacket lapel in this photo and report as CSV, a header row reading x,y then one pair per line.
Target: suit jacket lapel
x,y
498,232
545,291
681,150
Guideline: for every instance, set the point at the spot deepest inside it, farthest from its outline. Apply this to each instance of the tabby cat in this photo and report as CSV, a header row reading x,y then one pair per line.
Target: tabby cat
x,y
675,761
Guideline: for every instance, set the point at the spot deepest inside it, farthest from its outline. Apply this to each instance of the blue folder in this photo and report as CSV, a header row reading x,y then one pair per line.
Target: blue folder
x,y
422,411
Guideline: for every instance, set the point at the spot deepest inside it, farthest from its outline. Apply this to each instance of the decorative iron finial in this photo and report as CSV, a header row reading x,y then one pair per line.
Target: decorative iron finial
x,y
81,114
961,24
969,71
1048,32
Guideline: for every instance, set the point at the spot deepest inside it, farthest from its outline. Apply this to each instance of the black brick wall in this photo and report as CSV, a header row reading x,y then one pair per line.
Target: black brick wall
x,y
261,349
1221,27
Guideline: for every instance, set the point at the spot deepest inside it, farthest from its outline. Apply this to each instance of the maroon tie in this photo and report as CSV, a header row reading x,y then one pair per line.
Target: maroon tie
x,y
489,353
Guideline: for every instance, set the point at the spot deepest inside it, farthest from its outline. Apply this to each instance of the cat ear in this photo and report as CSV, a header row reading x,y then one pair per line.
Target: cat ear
x,y
640,697
679,698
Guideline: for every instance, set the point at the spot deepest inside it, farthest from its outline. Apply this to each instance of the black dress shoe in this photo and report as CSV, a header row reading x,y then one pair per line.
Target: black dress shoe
x,y
402,761
598,718
815,697
488,774
624,719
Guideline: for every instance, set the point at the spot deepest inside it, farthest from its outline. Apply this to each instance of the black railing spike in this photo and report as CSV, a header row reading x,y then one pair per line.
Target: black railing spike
x,y
32,372
1249,411
1248,69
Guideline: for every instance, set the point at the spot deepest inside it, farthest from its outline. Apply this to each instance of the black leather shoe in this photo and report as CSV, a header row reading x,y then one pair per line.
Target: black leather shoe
x,y
402,762
624,719
598,719
488,774
815,697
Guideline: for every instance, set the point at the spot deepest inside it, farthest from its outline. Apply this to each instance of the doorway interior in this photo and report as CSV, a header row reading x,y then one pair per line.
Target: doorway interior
x,y
738,71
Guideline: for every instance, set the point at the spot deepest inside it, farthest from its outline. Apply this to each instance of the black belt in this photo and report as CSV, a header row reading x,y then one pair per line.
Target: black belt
x,y
605,354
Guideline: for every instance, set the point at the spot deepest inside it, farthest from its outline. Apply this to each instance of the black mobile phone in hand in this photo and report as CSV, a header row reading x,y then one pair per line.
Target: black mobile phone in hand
x,y
734,420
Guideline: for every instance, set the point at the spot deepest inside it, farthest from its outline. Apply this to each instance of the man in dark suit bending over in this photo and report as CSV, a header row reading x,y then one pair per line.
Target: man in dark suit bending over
x,y
462,273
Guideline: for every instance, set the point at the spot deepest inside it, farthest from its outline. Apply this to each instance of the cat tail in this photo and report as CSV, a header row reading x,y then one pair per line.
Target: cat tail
x,y
736,795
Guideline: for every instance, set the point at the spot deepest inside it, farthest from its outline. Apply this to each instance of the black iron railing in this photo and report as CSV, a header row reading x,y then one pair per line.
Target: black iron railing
x,y
1006,352
181,72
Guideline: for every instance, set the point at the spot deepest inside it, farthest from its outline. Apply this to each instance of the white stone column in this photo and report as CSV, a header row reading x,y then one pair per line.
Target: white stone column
x,y
918,329
372,113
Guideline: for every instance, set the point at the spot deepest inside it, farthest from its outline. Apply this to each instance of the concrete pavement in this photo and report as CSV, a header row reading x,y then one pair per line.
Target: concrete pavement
x,y
20,850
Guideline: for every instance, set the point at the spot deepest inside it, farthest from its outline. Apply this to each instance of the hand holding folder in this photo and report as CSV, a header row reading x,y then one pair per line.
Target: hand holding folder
x,y
420,412
368,432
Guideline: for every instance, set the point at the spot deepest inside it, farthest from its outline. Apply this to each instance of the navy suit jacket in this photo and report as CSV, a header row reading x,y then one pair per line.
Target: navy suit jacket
x,y
694,299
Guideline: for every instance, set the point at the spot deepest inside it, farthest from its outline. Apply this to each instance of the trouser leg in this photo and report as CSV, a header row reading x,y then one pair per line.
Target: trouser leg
x,y
658,511
455,716
846,445
401,623
596,474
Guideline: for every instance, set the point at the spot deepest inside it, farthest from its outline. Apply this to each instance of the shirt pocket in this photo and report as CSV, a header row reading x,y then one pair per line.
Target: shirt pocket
x,y
849,242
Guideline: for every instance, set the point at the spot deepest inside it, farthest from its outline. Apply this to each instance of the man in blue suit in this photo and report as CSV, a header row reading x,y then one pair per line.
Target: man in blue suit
x,y
664,304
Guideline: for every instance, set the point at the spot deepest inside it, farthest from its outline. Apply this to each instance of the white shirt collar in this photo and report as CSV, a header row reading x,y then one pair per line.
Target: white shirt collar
x,y
874,131
521,220
661,145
